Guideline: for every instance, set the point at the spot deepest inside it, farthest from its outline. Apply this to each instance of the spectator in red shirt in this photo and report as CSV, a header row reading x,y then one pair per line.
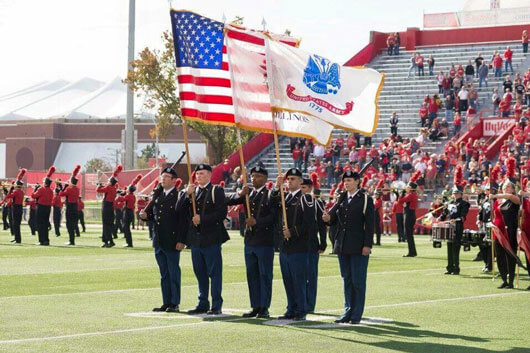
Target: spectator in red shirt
x,y
457,123
497,65
419,64
390,41
504,108
508,59
362,154
433,112
424,113
350,142
297,156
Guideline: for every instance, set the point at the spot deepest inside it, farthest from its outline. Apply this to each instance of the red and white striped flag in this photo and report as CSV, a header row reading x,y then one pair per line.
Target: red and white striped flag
x,y
216,91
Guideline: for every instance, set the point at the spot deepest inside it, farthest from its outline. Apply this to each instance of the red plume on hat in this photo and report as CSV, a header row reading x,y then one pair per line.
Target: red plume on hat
x,y
332,191
495,173
269,185
178,183
340,186
21,174
136,180
314,180
117,171
364,182
414,178
510,167
50,172
524,183
155,184
458,175
380,183
222,183
76,170
194,178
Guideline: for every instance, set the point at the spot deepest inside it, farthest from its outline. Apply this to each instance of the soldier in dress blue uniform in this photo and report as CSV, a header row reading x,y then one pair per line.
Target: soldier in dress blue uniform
x,y
354,214
259,244
206,234
170,223
317,244
294,250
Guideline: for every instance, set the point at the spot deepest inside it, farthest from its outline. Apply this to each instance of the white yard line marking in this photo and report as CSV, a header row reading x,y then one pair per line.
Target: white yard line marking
x,y
149,328
110,291
433,301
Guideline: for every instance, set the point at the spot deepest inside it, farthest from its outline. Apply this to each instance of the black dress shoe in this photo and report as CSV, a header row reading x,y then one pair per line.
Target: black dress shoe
x,y
528,288
286,316
503,285
172,309
162,308
68,243
300,317
448,272
110,245
355,322
197,311
13,240
456,273
105,245
214,312
342,320
127,246
263,314
253,313
509,286
408,255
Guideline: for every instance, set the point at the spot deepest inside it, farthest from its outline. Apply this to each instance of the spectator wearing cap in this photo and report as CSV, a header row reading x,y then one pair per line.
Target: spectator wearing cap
x,y
206,236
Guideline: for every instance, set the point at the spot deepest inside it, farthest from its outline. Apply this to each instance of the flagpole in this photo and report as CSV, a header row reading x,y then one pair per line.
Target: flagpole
x,y
243,168
517,271
278,165
492,237
188,162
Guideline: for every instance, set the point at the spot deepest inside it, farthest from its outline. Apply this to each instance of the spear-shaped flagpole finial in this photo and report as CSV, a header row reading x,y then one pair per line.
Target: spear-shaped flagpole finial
x,y
264,24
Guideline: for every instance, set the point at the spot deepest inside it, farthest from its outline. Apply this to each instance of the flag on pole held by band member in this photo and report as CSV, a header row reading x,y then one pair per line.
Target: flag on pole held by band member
x,y
211,92
311,84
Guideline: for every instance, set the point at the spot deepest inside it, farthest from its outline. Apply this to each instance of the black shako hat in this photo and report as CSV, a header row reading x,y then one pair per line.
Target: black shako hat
x,y
169,170
259,170
306,181
351,174
203,166
294,172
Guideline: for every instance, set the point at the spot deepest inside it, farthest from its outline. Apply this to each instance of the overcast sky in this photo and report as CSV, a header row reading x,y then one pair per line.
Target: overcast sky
x,y
71,39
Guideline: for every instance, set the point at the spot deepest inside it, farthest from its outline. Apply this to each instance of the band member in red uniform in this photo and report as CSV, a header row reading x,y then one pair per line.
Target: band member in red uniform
x,y
410,203
80,216
378,206
118,212
44,197
506,213
5,208
107,207
524,237
32,220
128,215
57,203
141,203
17,195
397,210
71,192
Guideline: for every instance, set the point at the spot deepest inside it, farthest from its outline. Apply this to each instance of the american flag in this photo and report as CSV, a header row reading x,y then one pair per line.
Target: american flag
x,y
229,86
204,81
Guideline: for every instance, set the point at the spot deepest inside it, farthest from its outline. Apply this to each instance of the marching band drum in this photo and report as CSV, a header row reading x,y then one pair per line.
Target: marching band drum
x,y
442,231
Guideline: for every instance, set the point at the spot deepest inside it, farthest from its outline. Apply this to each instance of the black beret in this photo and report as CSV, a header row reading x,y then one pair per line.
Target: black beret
x,y
413,185
316,192
294,172
351,174
306,181
19,183
203,166
259,170
457,189
113,180
169,170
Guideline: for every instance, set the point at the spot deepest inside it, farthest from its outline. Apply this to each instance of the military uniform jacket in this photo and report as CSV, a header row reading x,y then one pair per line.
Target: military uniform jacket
x,y
301,220
263,207
170,220
212,209
355,223
317,240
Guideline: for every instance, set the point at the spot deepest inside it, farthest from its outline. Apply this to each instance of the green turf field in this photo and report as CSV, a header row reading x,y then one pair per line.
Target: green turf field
x,y
89,299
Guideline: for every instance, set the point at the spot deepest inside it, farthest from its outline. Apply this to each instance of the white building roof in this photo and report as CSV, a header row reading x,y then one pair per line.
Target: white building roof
x,y
83,99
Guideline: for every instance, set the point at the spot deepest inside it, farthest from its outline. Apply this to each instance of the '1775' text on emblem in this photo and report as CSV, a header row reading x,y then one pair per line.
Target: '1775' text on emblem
x,y
322,77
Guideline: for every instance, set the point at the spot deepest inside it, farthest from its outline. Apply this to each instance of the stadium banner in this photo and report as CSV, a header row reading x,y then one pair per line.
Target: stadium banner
x,y
479,18
301,82
496,126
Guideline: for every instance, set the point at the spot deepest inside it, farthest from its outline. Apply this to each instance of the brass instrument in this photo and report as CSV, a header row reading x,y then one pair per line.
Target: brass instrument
x,y
61,182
